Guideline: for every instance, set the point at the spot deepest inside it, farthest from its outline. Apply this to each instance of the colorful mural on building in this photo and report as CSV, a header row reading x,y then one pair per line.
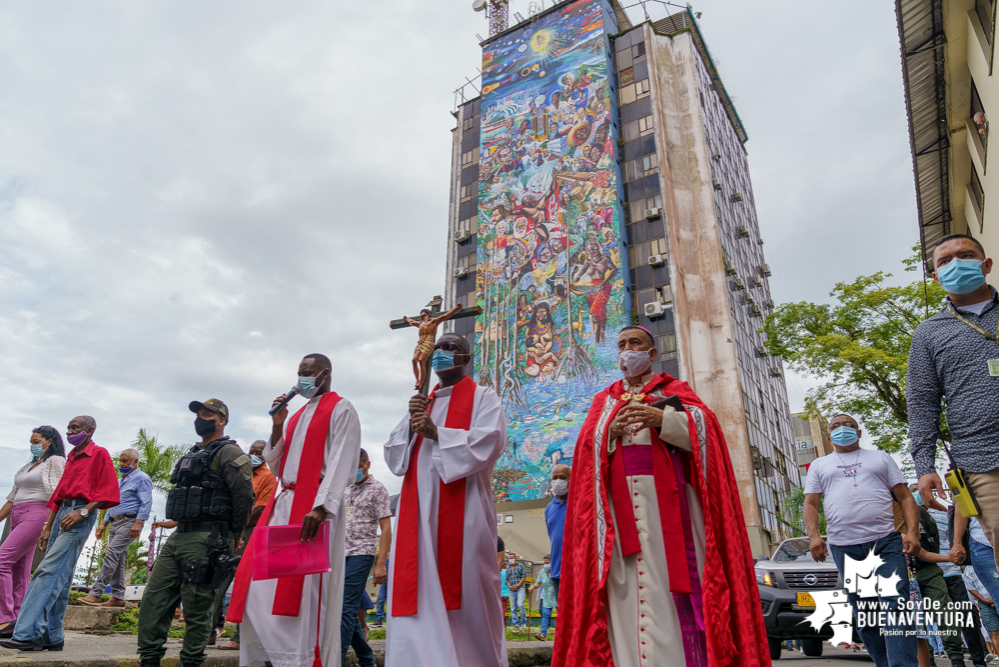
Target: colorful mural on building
x,y
551,274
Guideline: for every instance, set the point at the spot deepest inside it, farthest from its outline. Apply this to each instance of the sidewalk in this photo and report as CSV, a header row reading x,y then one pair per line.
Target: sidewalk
x,y
87,650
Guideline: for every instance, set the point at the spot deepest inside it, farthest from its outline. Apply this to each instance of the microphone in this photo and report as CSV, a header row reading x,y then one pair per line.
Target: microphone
x,y
292,393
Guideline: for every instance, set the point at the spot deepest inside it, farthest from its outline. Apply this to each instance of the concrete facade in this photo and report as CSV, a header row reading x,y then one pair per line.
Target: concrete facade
x,y
811,438
713,287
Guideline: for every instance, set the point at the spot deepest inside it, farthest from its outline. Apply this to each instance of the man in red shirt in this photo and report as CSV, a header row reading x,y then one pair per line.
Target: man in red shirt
x,y
89,483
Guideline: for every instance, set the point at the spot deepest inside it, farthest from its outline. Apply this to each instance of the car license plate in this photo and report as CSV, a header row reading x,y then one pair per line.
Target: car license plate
x,y
806,600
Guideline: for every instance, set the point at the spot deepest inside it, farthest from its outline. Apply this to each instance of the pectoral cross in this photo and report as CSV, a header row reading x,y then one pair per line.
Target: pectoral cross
x,y
427,322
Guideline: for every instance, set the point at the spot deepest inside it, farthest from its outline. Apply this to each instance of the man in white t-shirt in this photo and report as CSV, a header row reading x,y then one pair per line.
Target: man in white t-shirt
x,y
857,486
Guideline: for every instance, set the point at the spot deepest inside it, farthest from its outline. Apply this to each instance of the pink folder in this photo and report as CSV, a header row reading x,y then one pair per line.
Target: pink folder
x,y
278,552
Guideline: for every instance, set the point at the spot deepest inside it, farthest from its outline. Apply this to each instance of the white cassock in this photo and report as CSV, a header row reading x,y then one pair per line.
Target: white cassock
x,y
289,641
473,635
644,630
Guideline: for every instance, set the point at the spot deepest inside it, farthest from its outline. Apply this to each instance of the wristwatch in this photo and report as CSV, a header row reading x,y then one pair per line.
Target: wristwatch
x,y
84,512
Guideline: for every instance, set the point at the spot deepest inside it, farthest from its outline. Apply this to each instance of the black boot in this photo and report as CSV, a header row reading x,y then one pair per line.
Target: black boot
x,y
55,647
34,645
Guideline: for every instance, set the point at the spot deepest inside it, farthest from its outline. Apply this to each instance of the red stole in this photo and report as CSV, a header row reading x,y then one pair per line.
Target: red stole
x,y
667,496
450,518
733,619
288,595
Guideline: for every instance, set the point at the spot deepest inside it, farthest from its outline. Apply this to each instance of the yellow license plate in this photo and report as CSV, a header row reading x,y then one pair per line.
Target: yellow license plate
x,y
806,600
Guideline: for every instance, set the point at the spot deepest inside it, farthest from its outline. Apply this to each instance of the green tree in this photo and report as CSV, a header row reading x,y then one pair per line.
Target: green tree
x,y
858,346
135,562
793,512
156,459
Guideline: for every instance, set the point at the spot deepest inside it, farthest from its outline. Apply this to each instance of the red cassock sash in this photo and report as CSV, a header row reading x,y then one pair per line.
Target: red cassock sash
x,y
288,594
450,519
733,619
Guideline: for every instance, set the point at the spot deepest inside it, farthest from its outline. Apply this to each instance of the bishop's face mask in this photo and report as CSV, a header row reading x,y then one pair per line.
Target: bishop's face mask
x,y
634,363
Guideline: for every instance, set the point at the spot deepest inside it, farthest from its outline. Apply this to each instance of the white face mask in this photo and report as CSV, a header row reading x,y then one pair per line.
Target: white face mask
x,y
634,363
560,486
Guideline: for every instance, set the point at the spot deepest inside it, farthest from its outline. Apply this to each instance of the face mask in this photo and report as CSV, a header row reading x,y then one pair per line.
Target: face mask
x,y
37,450
77,438
442,360
256,461
307,387
204,427
548,566
125,471
359,476
560,487
634,363
843,436
917,498
961,276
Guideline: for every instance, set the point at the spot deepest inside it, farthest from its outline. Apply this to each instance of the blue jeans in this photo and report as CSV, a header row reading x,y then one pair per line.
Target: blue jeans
x,y
546,617
517,604
355,576
48,593
983,560
894,650
382,598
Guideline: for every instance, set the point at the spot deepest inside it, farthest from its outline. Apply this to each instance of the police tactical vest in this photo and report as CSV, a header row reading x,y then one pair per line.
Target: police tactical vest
x,y
199,493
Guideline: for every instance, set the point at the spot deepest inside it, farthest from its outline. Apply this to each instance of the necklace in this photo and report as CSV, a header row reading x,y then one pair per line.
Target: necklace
x,y
846,467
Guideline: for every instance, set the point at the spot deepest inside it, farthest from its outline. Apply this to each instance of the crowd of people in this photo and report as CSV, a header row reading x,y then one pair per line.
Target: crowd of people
x,y
649,560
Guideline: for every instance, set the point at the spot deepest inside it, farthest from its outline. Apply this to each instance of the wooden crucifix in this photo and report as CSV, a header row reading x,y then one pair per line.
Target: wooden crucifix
x,y
427,322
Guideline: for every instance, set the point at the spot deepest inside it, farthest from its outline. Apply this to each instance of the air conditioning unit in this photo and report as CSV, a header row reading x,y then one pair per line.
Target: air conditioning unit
x,y
653,212
776,372
740,283
460,272
757,280
749,298
654,309
729,267
736,196
461,235
756,309
657,260
717,183
762,350
770,304
744,231
766,270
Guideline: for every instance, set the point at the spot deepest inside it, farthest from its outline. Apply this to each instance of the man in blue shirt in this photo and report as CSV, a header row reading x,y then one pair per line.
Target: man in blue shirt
x,y
125,523
555,519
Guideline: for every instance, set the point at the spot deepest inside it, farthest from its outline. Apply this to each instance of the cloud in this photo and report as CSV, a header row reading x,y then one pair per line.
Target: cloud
x,y
193,196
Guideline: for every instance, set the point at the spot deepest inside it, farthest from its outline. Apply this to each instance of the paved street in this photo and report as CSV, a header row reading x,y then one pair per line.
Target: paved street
x,y
830,656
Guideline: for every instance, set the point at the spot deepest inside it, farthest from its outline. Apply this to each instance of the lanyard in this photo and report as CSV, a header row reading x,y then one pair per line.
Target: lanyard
x,y
962,318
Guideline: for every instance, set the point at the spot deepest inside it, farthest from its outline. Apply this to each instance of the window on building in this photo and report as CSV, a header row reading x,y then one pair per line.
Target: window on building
x,y
626,77
642,88
638,254
650,163
657,246
470,225
980,120
626,95
638,50
466,262
985,8
979,194
469,191
468,158
468,123
667,347
645,125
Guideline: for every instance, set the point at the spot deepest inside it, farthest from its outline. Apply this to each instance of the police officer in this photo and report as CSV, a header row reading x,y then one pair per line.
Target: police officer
x,y
211,502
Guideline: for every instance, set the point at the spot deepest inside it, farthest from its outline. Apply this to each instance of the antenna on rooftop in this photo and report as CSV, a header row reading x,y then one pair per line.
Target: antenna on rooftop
x,y
497,13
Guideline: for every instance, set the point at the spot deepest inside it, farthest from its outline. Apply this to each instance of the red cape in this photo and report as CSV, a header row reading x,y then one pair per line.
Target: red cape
x,y
732,614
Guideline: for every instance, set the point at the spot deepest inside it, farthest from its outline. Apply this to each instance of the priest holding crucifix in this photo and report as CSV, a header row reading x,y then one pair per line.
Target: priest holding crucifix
x,y
445,586
656,566
295,621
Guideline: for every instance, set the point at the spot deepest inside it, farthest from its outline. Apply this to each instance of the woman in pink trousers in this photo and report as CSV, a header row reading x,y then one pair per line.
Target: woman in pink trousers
x,y
33,486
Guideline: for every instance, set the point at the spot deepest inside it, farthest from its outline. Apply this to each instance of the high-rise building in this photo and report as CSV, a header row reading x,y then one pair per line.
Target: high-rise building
x,y
950,88
600,179
811,438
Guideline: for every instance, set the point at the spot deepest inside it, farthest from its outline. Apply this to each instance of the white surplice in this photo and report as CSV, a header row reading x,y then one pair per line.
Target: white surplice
x,y
289,641
473,635
643,624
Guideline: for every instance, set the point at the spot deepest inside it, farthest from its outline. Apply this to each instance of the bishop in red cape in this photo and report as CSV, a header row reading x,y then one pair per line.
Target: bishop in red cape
x,y
444,590
656,565
295,621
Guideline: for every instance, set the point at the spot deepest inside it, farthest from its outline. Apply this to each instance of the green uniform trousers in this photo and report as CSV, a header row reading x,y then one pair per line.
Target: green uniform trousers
x,y
933,587
165,589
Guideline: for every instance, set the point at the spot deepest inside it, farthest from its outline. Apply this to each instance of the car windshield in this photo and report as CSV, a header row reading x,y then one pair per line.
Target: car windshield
x,y
792,550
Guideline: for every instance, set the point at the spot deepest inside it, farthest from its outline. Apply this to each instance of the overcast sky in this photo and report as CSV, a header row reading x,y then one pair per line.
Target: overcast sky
x,y
194,195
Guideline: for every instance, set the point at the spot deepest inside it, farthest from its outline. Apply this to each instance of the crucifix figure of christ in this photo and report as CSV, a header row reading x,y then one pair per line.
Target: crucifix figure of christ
x,y
427,322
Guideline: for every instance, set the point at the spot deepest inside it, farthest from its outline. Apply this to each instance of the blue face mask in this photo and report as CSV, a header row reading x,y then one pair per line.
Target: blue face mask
x,y
961,276
844,436
359,476
37,450
256,461
125,471
442,360
917,498
307,387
